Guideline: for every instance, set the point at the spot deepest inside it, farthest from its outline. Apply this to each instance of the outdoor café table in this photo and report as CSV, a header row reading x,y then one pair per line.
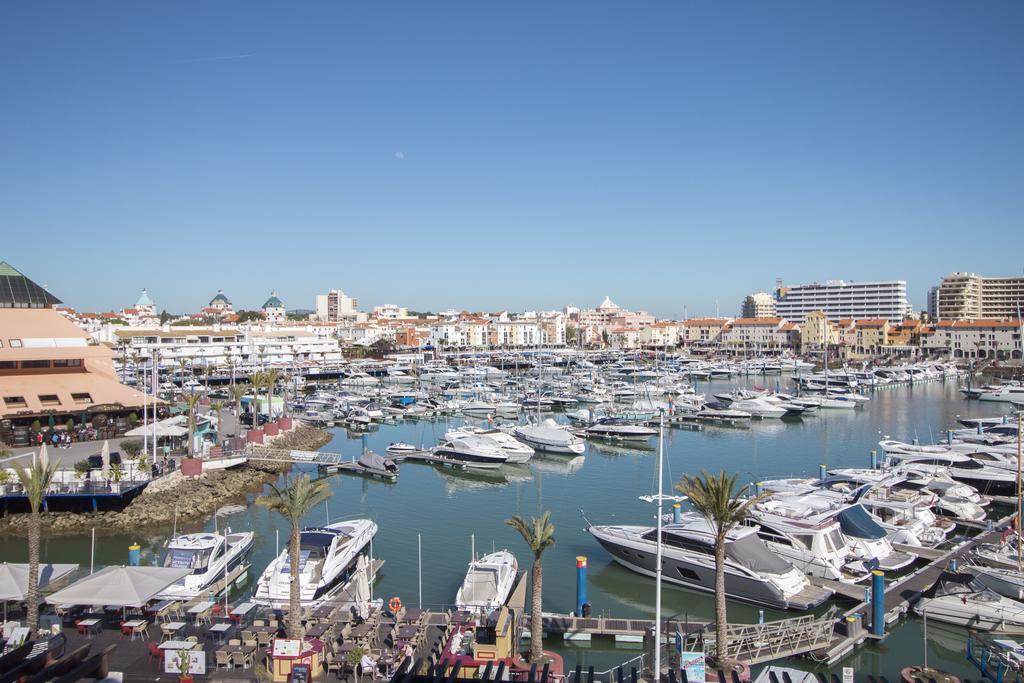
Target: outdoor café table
x,y
135,625
91,626
162,609
221,630
244,649
461,617
239,612
317,630
345,647
171,627
177,645
201,610
360,631
263,629
412,614
323,612
407,632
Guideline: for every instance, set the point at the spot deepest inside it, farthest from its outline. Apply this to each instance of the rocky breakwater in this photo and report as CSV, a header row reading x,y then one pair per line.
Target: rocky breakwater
x,y
176,496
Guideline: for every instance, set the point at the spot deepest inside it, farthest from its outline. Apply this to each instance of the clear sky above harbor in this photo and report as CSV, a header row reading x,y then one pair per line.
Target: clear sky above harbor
x,y
507,155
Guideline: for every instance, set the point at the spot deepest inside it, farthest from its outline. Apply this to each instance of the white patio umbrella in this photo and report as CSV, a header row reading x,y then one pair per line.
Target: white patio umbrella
x,y
362,587
105,457
14,580
44,456
118,586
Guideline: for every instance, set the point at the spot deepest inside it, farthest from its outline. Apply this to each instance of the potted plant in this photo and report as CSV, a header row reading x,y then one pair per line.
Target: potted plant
x,y
115,474
184,659
354,656
5,477
82,469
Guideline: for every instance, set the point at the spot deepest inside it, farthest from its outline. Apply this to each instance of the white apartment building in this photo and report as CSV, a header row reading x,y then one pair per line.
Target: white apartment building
x,y
758,305
982,339
760,334
842,299
217,346
335,306
967,296
390,312
662,335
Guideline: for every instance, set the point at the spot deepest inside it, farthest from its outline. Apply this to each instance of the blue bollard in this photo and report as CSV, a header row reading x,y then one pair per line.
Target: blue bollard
x,y
677,513
134,555
874,460
760,616
949,437
581,583
878,603
822,472
980,430
758,488
364,442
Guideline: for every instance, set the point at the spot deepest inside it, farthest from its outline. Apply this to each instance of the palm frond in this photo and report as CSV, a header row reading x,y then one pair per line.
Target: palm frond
x,y
35,479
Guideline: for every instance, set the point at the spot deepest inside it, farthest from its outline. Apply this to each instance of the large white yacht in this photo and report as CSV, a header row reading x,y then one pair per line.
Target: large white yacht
x,y
516,451
550,438
471,450
327,561
753,572
209,556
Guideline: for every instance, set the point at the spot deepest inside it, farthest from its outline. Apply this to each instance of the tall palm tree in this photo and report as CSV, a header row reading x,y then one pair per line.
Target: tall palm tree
x,y
237,392
270,383
192,400
539,534
715,497
256,383
35,479
293,502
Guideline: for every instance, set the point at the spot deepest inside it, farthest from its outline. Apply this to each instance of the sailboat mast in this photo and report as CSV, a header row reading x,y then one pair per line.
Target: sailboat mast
x,y
657,570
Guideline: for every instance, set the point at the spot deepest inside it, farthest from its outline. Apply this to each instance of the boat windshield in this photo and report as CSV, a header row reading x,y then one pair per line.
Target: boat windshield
x,y
186,558
752,554
857,523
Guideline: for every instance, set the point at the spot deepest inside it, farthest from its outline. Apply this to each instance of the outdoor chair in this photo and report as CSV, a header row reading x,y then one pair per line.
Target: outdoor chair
x,y
263,638
248,635
235,641
259,622
192,639
241,659
156,653
223,659
141,630
250,643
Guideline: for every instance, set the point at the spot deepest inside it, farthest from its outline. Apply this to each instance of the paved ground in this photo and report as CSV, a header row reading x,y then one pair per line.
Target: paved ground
x,y
67,457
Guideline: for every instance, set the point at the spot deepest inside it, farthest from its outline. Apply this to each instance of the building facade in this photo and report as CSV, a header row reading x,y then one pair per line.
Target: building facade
x,y
969,296
842,299
758,305
335,307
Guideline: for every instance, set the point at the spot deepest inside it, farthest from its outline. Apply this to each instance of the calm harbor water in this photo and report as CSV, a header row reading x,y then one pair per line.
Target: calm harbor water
x,y
447,511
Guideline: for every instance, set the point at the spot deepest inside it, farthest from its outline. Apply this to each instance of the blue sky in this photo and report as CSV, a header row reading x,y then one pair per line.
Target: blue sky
x,y
507,155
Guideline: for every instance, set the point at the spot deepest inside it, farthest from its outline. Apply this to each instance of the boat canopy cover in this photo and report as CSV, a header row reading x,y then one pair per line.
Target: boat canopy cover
x,y
856,522
372,461
750,552
480,586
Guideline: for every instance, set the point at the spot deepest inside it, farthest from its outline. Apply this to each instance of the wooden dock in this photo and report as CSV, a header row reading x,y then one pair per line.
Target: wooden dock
x,y
571,627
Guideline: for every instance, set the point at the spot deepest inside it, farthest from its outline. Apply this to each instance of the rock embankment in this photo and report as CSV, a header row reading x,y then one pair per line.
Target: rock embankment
x,y
177,497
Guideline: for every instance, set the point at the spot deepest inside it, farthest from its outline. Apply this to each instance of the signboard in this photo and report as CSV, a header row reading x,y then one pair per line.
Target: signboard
x,y
692,663
196,662
847,674
300,673
287,647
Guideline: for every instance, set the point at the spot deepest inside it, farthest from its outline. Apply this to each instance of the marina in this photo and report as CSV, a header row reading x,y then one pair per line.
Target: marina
x,y
618,621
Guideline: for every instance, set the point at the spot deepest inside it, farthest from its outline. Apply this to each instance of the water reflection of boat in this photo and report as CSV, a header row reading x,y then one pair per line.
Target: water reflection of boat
x,y
543,462
634,448
633,591
471,480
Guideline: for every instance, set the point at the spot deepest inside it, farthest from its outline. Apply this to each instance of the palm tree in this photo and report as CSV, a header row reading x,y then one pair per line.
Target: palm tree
x,y
539,534
293,502
237,391
270,383
256,383
715,497
35,479
192,400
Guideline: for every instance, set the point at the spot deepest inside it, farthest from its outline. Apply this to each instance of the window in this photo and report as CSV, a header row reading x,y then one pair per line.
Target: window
x,y
49,399
8,365
14,401
83,397
35,364
687,574
14,343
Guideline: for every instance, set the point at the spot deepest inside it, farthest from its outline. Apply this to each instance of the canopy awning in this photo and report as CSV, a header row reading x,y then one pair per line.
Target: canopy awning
x,y
170,427
14,578
118,586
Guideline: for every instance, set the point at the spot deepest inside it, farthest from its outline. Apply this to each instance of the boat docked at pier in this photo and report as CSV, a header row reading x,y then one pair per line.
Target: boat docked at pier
x,y
471,450
209,556
488,583
328,556
549,437
753,573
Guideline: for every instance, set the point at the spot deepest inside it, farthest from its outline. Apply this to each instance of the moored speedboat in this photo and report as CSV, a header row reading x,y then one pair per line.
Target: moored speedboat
x,y
209,556
470,450
488,582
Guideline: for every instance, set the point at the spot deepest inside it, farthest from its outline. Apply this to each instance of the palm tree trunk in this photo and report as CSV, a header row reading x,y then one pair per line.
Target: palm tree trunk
x,y
191,430
720,616
536,617
294,617
33,572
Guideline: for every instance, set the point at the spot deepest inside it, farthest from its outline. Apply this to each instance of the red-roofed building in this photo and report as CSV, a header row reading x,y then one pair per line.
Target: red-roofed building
x,y
981,338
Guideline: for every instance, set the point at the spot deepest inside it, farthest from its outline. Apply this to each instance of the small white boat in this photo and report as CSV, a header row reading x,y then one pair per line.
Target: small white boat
x,y
488,583
984,610
401,448
209,556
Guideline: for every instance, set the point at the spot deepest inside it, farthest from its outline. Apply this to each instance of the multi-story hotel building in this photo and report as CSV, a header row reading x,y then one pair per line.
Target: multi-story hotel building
x,y
968,296
50,370
759,305
335,307
841,299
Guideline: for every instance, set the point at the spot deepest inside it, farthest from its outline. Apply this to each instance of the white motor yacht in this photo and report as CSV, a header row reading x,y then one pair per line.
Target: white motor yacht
x,y
488,583
471,450
552,439
516,451
209,556
327,561
983,610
